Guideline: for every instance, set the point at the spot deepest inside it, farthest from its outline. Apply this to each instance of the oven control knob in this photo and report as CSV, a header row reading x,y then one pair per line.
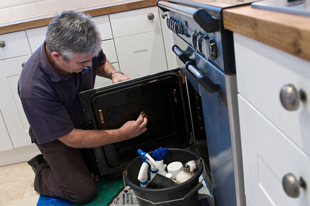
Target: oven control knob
x,y
168,22
193,36
209,47
172,24
180,27
199,42
175,26
204,46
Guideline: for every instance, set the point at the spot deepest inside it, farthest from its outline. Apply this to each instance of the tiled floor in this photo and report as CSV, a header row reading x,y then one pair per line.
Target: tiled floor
x,y
16,185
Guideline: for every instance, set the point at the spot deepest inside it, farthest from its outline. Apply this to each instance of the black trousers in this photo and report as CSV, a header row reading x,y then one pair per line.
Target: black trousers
x,y
65,173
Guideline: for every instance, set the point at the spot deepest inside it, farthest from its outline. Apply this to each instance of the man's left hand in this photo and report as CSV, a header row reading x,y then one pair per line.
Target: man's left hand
x,y
118,77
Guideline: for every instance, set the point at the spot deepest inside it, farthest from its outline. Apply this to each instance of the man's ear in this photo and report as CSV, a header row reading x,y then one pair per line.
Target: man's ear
x,y
56,56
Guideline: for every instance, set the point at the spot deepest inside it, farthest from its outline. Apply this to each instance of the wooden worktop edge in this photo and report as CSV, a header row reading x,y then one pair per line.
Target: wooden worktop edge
x,y
287,32
125,6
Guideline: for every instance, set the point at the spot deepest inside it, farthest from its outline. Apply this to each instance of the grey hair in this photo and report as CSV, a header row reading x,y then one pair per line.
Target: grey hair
x,y
73,32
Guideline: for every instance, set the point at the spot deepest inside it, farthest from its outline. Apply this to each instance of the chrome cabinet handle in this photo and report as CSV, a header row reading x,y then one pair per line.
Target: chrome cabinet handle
x,y
292,186
150,16
290,97
2,44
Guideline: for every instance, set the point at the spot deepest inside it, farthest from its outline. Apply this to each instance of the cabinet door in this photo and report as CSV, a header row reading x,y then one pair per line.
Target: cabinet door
x,y
141,54
16,44
261,73
268,155
10,104
168,43
104,26
5,142
134,22
109,49
36,37
101,81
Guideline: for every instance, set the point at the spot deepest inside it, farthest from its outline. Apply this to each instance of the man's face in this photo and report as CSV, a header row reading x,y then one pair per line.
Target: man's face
x,y
77,64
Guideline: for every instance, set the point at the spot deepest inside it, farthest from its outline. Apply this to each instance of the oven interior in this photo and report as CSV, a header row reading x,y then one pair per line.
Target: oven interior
x,y
174,111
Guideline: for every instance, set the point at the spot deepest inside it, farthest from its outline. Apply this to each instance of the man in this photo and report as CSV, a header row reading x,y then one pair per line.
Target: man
x,y
49,87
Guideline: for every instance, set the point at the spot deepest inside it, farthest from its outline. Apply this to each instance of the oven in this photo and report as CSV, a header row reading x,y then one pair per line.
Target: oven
x,y
193,106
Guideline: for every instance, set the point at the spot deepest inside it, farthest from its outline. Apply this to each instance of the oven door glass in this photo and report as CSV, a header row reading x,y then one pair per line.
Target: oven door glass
x,y
162,97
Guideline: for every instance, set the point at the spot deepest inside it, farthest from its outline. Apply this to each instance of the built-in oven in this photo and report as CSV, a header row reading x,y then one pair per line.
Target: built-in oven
x,y
193,106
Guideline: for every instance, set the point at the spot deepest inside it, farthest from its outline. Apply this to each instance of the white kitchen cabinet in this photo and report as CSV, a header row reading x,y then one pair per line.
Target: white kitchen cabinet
x,y
138,41
15,143
102,81
104,27
275,141
109,49
10,104
5,141
135,22
168,43
36,37
141,54
15,44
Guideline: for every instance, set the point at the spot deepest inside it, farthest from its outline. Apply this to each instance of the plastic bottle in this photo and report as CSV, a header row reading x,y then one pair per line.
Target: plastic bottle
x,y
146,157
184,175
142,176
158,156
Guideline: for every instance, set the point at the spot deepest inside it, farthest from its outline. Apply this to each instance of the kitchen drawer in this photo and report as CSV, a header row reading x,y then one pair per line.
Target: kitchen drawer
x,y
36,37
268,155
104,26
109,50
261,73
16,44
134,22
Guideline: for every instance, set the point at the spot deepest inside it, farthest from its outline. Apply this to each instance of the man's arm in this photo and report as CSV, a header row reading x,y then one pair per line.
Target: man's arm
x,y
94,138
105,69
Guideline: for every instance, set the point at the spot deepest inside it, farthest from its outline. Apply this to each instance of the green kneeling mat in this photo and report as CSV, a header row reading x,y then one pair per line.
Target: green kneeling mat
x,y
107,189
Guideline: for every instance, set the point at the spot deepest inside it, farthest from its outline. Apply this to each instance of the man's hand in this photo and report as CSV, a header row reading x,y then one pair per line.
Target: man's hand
x,y
118,77
133,128
94,138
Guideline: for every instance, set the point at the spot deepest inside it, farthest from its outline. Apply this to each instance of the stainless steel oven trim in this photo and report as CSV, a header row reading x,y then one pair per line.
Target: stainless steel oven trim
x,y
233,114
184,10
229,92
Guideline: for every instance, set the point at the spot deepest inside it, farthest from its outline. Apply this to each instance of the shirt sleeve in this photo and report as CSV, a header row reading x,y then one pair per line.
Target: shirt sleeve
x,y
101,58
49,119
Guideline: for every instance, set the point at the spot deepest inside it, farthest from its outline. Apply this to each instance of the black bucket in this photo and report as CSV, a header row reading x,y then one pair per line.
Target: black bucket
x,y
185,194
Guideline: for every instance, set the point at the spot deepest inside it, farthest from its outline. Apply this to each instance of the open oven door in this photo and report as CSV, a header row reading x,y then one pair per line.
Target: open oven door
x,y
162,96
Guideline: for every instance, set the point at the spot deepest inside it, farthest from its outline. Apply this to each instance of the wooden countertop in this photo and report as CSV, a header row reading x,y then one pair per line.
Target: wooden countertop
x,y
287,32
103,10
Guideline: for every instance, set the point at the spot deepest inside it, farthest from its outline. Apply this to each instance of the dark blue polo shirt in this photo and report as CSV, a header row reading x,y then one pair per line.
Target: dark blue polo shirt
x,y
50,99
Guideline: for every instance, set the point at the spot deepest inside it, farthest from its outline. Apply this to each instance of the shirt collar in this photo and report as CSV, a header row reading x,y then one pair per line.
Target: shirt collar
x,y
54,75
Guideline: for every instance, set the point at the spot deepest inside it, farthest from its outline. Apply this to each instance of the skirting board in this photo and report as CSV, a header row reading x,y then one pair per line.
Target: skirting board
x,y
17,155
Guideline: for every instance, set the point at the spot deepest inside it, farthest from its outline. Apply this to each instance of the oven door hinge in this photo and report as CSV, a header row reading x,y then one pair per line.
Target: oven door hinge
x,y
191,138
182,77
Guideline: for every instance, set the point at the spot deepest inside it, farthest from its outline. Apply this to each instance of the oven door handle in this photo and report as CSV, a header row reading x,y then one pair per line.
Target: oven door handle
x,y
203,80
201,16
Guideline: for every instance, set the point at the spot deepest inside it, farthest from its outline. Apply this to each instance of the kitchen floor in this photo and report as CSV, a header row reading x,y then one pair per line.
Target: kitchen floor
x,y
16,185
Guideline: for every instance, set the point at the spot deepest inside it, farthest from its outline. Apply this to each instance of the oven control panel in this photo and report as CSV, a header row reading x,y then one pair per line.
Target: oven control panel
x,y
204,43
